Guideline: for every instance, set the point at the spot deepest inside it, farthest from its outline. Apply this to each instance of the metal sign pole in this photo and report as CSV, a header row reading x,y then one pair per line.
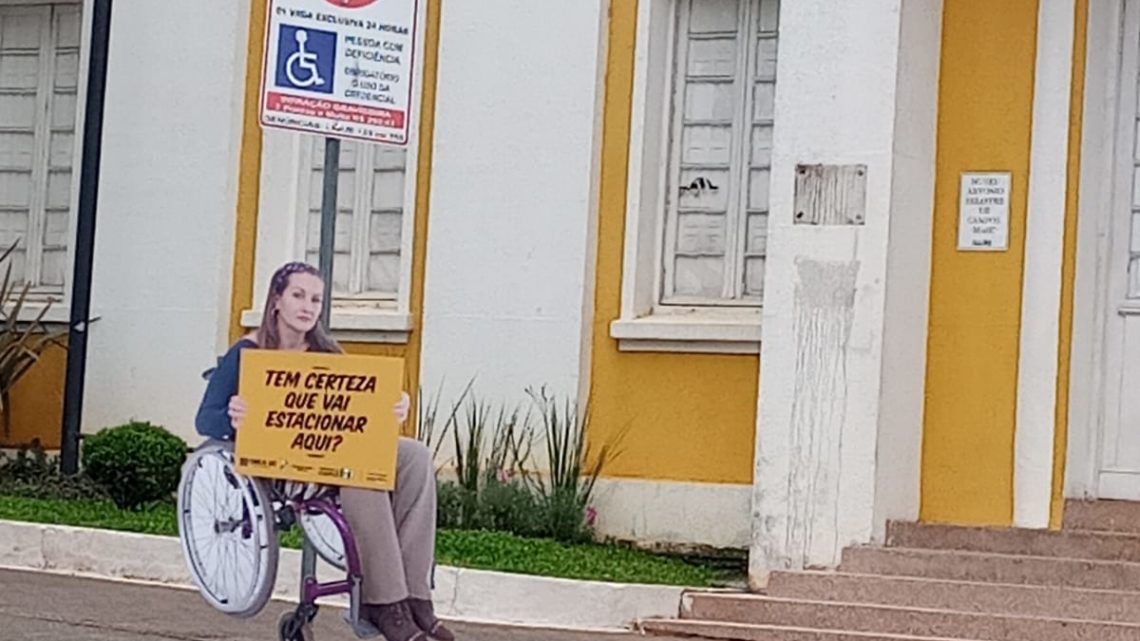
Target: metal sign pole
x,y
76,374
330,174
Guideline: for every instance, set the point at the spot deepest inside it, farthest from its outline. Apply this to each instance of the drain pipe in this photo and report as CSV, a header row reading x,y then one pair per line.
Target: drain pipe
x,y
85,235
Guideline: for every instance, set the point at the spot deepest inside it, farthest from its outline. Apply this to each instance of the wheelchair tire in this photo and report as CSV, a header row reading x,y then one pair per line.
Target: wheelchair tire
x,y
227,531
325,538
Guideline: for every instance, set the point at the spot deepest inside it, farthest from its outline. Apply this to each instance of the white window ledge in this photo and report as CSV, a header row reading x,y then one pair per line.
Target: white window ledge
x,y
689,333
58,314
356,325
1130,308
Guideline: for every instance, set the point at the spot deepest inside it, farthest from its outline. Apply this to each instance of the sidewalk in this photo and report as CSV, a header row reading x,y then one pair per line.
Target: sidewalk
x,y
49,607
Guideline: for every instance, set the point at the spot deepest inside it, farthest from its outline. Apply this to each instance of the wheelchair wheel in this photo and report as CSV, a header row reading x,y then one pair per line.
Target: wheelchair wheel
x,y
326,539
294,626
227,532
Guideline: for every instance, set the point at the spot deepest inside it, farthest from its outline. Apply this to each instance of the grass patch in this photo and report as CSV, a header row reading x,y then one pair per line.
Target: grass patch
x,y
462,548
586,561
153,519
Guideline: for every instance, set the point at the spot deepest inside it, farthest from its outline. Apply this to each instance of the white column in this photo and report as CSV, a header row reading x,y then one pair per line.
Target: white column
x,y
844,338
1041,286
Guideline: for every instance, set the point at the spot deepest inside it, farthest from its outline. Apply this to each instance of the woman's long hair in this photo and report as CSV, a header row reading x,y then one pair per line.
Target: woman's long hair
x,y
268,337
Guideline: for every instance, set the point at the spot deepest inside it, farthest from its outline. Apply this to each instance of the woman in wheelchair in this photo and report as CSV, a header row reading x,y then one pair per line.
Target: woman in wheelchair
x,y
394,532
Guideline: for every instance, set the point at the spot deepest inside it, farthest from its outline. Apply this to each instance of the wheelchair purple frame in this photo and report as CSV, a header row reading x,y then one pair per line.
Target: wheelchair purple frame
x,y
312,589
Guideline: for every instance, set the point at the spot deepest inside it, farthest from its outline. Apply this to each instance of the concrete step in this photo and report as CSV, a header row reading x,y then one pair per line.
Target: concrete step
x,y
859,617
1103,516
1073,544
742,632
962,596
992,568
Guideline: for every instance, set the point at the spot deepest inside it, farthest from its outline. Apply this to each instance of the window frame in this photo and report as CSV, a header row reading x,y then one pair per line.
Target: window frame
x,y
60,297
282,205
644,323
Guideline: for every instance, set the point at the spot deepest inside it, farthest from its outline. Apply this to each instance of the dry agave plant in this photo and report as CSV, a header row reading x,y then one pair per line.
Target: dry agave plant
x,y
21,342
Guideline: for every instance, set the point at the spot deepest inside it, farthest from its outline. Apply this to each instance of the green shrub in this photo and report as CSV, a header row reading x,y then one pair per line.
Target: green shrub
x,y
452,503
30,464
136,463
509,506
31,473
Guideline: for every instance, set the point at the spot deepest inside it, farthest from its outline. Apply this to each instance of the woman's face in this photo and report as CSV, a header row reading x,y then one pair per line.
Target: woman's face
x,y
300,304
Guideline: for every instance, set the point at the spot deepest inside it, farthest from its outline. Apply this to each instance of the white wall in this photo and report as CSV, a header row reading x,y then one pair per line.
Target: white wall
x,y
167,204
672,513
511,194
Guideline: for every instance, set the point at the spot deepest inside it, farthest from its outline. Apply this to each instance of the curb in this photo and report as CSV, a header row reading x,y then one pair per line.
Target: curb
x,y
461,594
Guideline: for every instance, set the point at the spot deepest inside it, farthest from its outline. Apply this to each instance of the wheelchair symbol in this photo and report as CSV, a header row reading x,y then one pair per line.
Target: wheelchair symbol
x,y
306,61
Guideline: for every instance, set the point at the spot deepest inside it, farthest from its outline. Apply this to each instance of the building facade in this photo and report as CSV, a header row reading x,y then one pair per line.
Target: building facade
x,y
824,264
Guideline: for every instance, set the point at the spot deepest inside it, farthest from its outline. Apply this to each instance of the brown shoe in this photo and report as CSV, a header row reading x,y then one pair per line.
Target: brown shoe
x,y
424,614
394,620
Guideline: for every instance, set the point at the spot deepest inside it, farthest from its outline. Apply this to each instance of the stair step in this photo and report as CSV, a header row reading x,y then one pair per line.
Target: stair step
x,y
962,596
1102,546
860,617
992,568
741,632
1103,516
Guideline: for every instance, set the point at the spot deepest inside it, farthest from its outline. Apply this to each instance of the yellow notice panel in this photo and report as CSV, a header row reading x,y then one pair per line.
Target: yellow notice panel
x,y
320,418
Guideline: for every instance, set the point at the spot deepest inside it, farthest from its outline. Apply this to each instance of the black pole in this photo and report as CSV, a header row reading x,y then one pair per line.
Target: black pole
x,y
330,175
85,234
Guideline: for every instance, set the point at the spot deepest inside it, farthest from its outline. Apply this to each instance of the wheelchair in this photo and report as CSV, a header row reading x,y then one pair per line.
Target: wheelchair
x,y
228,526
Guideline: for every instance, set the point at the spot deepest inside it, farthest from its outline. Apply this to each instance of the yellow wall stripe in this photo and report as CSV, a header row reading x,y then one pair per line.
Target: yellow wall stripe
x,y
249,174
984,123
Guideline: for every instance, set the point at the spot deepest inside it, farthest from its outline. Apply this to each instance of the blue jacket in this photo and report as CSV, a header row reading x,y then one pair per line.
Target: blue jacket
x,y
213,419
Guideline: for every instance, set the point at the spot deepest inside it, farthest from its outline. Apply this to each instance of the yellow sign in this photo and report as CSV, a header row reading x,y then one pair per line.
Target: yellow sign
x,y
319,418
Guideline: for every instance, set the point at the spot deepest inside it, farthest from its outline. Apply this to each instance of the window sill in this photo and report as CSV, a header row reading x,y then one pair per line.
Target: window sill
x,y
696,333
356,325
59,314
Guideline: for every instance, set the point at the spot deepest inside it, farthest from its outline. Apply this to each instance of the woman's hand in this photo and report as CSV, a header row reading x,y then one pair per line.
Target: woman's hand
x,y
237,411
402,408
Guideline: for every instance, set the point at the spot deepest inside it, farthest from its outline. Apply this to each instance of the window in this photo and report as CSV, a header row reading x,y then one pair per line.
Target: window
x,y
39,68
724,83
700,161
370,209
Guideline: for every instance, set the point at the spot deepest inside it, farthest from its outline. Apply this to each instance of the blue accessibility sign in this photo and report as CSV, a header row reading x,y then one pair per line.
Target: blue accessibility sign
x,y
306,59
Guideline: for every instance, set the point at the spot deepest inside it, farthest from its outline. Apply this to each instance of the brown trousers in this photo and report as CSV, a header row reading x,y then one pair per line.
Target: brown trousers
x,y
395,531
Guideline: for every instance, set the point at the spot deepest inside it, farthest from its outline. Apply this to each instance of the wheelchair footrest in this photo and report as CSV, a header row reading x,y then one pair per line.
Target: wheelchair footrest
x,y
362,629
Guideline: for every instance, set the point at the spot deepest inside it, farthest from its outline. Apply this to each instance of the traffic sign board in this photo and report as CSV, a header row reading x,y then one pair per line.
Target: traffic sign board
x,y
340,68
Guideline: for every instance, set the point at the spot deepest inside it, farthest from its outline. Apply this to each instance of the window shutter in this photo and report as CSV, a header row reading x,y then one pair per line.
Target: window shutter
x,y
370,207
723,100
39,65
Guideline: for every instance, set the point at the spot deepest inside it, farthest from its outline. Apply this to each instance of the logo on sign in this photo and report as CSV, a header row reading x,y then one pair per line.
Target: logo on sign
x,y
350,4
306,59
